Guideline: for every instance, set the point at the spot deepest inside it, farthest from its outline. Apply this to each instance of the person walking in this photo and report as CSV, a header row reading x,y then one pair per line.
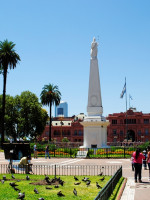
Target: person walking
x,y
144,160
35,151
138,158
132,162
47,152
148,160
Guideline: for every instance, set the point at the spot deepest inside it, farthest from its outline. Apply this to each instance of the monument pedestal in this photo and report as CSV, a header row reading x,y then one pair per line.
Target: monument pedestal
x,y
95,132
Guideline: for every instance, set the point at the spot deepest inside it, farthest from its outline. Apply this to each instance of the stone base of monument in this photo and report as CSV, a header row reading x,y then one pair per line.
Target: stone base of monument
x,y
95,132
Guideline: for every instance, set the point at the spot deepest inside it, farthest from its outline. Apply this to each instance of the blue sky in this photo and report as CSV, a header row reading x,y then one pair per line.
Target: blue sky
x,y
53,39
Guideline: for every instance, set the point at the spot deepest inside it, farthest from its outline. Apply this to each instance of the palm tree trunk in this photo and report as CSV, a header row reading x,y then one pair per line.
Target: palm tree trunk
x,y
3,105
50,119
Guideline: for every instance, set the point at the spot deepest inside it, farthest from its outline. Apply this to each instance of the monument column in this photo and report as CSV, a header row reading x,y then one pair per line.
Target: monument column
x,y
94,107
95,125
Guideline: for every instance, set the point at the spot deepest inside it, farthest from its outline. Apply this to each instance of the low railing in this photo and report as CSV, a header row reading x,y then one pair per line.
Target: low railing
x,y
110,186
60,170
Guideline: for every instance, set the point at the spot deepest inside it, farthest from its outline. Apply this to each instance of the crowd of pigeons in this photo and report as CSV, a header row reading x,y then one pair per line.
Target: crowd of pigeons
x,y
54,181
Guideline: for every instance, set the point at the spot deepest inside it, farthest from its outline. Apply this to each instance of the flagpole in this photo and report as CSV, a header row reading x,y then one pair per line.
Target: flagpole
x,y
126,112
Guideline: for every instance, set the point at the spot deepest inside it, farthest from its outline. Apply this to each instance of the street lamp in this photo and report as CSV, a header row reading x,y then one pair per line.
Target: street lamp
x,y
61,122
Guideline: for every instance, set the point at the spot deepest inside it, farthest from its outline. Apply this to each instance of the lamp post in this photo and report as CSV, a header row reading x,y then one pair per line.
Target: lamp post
x,y
61,122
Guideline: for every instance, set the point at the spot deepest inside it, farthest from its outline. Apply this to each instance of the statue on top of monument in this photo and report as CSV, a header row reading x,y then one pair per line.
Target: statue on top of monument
x,y
94,45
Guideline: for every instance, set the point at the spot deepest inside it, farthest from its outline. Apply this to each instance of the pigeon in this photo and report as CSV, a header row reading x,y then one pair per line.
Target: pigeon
x,y
88,182
101,179
13,184
41,198
17,189
36,191
21,195
48,188
46,177
60,194
4,178
98,186
48,181
27,178
100,174
61,182
85,179
75,192
12,176
76,179
56,186
2,181
78,183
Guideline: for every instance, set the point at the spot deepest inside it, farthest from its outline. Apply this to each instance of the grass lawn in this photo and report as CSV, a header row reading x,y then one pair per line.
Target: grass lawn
x,y
84,192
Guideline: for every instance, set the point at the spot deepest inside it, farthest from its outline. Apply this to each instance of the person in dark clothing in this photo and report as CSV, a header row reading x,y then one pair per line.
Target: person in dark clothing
x,y
47,152
138,157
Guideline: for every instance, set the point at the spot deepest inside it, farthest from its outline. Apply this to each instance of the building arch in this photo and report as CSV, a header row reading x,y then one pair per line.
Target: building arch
x,y
131,135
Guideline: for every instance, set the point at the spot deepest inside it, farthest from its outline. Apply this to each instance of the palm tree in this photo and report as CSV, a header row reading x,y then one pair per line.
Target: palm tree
x,y
50,95
8,59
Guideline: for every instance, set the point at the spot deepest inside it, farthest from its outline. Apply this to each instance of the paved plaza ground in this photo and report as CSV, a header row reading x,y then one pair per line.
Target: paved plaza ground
x,y
133,191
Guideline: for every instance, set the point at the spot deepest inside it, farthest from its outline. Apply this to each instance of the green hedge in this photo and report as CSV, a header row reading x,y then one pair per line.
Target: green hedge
x,y
116,190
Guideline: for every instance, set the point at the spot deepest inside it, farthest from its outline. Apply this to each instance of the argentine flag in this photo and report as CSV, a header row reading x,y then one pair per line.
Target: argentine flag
x,y
123,91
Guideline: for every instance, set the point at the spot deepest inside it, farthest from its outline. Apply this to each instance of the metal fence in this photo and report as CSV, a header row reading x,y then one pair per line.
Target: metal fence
x,y
81,170
112,152
105,193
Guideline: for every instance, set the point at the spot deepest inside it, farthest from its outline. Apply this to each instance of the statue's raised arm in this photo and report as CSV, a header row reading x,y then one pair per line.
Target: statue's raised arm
x,y
94,45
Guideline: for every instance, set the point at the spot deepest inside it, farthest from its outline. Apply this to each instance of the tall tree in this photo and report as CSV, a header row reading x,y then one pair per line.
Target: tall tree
x,y
8,59
50,95
33,118
24,116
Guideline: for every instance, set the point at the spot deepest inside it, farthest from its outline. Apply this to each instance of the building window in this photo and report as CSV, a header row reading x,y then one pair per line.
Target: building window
x,y
146,131
114,132
80,133
60,111
130,121
68,132
114,121
56,124
121,132
68,123
146,121
75,132
56,133
139,132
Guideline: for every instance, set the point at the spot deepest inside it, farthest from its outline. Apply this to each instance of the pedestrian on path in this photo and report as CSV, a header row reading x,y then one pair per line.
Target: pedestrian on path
x,y
138,159
132,162
35,151
145,159
47,152
148,160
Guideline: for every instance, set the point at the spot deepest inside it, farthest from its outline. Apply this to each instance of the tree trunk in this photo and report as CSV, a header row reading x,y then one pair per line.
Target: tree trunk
x,y
50,124
3,105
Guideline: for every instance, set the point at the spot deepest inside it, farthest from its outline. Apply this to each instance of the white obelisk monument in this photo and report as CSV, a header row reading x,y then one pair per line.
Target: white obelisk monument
x,y
95,125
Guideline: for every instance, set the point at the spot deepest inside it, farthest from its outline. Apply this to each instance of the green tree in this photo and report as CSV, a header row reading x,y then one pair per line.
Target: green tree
x,y
11,115
8,59
32,117
24,116
50,95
